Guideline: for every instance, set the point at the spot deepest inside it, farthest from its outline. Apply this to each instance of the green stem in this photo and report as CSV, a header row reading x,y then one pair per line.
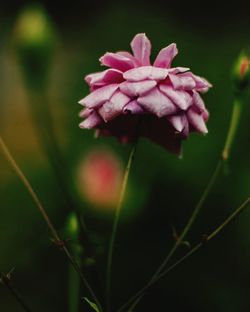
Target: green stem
x,y
182,235
7,283
211,236
190,221
39,106
74,282
233,127
224,156
46,218
116,222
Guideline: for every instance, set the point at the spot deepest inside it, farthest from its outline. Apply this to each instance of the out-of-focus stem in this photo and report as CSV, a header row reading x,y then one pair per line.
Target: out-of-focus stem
x,y
237,108
39,106
7,283
116,222
46,218
72,229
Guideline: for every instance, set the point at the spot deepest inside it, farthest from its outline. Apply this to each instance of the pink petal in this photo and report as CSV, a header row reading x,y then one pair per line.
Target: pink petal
x,y
177,70
137,88
197,121
141,48
91,122
157,103
179,97
86,112
99,96
129,56
108,76
201,84
182,82
177,122
199,104
205,114
146,72
165,56
117,61
114,106
133,108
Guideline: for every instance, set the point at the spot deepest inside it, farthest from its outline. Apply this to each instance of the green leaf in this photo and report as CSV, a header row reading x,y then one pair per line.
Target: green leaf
x,y
92,304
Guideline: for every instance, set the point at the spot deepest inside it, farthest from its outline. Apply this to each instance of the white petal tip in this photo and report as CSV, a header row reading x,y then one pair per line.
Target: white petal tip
x,y
81,102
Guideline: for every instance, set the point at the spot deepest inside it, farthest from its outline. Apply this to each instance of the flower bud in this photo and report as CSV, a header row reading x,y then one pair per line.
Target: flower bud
x,y
241,72
34,42
72,227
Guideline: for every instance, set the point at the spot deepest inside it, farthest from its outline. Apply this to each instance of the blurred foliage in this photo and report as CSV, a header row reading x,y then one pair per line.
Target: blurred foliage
x,y
162,189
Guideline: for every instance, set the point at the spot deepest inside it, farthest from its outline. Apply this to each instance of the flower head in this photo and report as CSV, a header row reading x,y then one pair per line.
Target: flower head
x,y
163,100
241,71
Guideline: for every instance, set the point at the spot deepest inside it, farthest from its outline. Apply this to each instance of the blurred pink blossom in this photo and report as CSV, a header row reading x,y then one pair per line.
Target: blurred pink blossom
x,y
99,178
165,99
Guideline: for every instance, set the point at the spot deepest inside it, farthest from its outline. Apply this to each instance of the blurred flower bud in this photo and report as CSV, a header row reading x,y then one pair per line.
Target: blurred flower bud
x,y
34,41
241,72
72,227
99,178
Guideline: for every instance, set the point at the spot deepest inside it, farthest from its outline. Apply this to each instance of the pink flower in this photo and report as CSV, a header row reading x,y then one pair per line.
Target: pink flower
x,y
160,102
100,178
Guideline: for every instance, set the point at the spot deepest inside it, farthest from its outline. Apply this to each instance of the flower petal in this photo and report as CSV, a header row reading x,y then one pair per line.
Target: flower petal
x,y
177,70
114,106
116,61
177,122
129,56
165,56
182,82
105,77
179,97
201,84
86,112
137,88
91,122
199,105
141,48
157,103
133,108
197,121
146,72
99,96
198,101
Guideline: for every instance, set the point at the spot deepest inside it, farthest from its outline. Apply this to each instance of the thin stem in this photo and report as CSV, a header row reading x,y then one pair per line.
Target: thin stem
x,y
191,219
224,156
46,218
29,188
39,106
7,283
182,235
116,222
211,236
233,127
74,283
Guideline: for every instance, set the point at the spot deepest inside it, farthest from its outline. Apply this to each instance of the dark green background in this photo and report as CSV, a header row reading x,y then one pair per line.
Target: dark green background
x,y
163,190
